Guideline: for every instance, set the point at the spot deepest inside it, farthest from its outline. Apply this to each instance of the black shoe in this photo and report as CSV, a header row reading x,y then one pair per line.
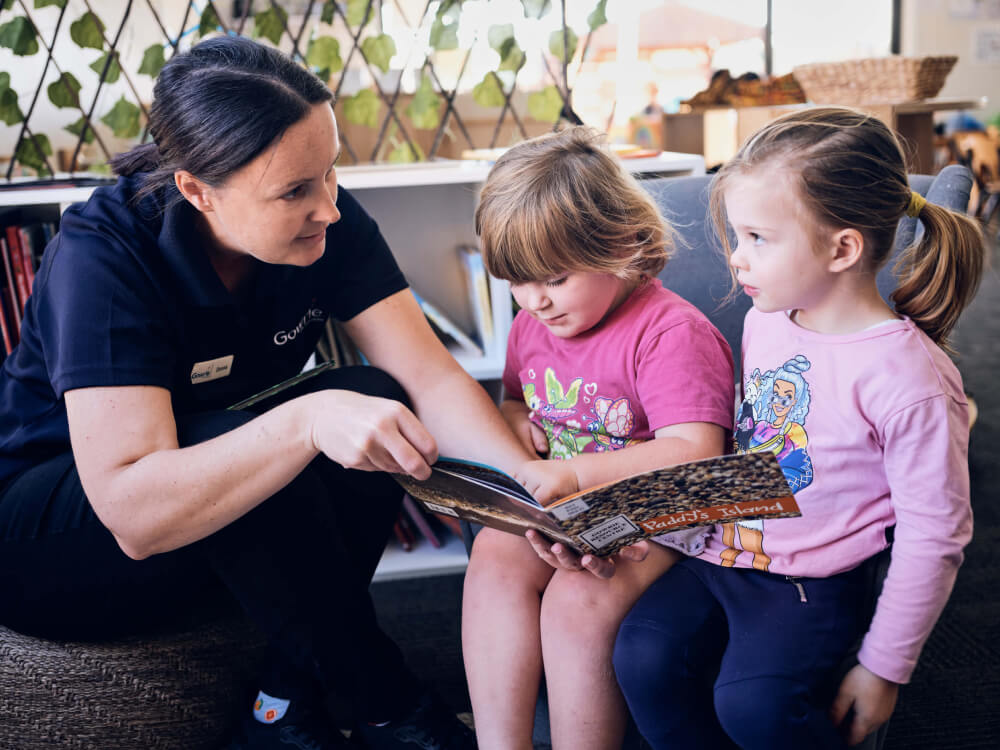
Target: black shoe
x,y
430,726
299,729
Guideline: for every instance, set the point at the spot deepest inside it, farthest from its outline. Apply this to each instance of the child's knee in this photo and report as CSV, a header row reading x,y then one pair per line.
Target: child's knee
x,y
762,711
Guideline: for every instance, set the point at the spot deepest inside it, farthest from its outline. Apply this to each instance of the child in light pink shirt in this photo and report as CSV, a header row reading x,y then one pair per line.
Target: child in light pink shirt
x,y
608,373
867,417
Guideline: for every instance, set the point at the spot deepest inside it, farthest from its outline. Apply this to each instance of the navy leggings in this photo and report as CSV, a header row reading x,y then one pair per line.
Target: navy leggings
x,y
299,565
713,657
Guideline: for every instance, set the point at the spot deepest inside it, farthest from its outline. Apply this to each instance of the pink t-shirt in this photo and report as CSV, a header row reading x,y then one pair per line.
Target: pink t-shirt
x,y
656,361
871,430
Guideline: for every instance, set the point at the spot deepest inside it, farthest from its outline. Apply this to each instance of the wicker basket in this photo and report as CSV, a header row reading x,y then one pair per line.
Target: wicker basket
x,y
874,80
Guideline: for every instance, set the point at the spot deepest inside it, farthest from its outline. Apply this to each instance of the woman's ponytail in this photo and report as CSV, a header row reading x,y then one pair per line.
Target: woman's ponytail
x,y
939,275
144,158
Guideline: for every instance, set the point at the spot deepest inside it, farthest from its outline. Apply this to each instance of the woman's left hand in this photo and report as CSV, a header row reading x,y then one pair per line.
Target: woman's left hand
x,y
867,700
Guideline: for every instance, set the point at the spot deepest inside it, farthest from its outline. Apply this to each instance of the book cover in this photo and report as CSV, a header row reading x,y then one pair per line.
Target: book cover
x,y
446,328
8,341
27,257
17,263
601,520
478,286
292,381
11,280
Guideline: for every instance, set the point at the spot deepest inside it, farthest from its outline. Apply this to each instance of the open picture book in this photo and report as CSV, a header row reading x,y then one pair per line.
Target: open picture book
x,y
601,520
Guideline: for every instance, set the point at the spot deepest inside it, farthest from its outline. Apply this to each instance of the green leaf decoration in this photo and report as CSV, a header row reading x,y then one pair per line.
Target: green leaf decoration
x,y
270,23
501,38
488,92
46,3
423,109
536,8
6,4
87,31
65,91
362,108
4,81
326,15
30,153
444,35
357,11
114,69
403,154
19,35
545,105
324,54
556,44
152,60
378,50
77,127
10,113
598,17
123,119
209,21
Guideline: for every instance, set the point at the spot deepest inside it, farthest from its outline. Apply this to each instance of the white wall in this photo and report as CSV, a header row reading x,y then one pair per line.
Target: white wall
x,y
967,28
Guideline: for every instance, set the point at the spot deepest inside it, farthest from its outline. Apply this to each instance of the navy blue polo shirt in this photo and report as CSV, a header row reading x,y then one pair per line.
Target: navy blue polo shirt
x,y
126,295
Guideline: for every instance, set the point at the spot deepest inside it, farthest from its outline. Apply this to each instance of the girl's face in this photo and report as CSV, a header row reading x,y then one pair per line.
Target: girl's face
x,y
782,398
774,258
574,302
277,207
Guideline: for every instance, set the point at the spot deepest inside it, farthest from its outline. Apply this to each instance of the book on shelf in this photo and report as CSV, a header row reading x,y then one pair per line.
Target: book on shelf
x,y
420,521
601,520
6,326
447,330
10,284
22,290
478,286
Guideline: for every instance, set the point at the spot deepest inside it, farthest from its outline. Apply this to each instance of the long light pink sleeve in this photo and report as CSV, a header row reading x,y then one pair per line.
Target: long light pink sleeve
x,y
926,465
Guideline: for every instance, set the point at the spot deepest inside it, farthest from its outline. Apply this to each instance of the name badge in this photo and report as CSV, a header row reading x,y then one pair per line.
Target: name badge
x,y
213,369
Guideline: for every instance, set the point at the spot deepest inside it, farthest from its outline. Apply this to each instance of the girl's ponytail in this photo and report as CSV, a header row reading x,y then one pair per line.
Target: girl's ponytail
x,y
939,274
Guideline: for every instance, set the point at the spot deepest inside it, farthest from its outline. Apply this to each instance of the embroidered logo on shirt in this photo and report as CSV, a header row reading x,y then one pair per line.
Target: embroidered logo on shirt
x,y
312,315
212,369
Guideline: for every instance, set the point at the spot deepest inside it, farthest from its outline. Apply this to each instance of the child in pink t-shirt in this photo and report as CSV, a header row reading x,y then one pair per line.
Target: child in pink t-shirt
x,y
868,420
609,373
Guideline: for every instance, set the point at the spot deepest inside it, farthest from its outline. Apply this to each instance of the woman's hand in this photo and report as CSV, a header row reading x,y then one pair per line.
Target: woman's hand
x,y
866,701
560,557
547,481
518,418
371,434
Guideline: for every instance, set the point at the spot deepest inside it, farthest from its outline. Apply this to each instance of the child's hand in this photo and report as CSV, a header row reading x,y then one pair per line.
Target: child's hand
x,y
561,557
530,434
547,480
866,700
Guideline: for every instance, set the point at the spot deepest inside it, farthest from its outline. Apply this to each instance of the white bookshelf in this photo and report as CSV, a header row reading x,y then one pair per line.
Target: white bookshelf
x,y
426,212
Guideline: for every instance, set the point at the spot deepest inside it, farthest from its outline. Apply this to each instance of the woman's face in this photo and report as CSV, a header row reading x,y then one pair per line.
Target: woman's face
x,y
277,207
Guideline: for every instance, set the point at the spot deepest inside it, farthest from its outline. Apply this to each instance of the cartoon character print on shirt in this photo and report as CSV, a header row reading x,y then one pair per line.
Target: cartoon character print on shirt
x,y
565,436
771,420
612,430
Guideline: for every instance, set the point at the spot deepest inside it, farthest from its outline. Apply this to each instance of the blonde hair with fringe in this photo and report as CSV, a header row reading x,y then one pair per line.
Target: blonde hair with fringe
x,y
851,173
562,202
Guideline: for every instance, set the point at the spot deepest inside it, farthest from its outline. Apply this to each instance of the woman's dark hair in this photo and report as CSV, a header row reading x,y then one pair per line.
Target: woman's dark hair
x,y
850,172
216,107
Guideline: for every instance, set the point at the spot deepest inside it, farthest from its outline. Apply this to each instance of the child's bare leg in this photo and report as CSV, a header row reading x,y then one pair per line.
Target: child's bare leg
x,y
580,619
501,643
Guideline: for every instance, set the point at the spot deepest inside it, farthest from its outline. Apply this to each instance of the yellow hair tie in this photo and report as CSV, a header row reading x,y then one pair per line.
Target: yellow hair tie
x,y
916,204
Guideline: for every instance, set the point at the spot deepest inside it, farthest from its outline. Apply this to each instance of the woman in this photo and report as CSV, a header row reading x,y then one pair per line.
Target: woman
x,y
202,277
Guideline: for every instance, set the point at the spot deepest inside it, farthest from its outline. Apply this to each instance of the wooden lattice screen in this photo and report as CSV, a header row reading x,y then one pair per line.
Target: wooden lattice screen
x,y
50,43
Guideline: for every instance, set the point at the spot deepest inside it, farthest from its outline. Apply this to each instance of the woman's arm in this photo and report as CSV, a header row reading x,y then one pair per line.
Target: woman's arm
x,y
395,336
155,496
